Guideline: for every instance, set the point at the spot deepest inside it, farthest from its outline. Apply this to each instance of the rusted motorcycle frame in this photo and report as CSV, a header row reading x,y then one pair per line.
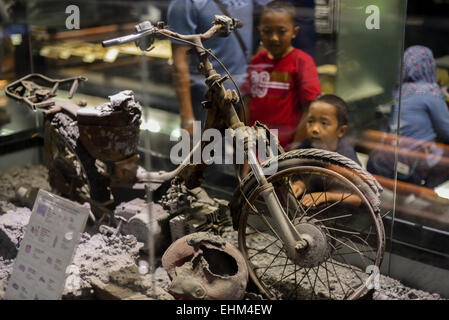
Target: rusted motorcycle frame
x,y
305,238
76,137
296,238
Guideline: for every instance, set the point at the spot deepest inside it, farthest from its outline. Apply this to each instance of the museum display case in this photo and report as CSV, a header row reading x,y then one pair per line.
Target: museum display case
x,y
358,50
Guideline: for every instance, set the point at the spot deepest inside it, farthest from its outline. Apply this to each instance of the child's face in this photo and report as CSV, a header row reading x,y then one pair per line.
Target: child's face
x,y
323,130
277,31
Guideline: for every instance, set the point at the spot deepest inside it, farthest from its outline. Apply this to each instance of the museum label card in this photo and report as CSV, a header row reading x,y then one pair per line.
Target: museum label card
x,y
47,248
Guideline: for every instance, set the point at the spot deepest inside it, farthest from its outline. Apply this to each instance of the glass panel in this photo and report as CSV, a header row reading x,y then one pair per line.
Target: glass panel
x,y
422,218
368,57
409,131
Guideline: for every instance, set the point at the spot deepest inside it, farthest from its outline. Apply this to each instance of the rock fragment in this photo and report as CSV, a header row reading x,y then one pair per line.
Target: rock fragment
x,y
12,229
136,214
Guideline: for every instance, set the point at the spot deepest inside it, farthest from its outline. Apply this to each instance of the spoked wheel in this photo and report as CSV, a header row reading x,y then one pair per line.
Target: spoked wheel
x,y
345,236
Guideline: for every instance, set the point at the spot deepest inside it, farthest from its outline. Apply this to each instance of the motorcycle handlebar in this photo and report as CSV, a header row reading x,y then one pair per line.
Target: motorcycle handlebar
x,y
223,25
128,38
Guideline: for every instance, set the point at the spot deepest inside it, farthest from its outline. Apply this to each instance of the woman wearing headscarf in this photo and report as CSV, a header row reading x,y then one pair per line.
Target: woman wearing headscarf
x,y
424,117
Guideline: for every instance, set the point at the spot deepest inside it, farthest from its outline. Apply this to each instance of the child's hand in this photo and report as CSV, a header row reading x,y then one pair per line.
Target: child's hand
x,y
313,199
316,198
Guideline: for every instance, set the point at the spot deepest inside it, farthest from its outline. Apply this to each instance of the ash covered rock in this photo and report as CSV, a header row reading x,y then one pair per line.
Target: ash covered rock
x,y
6,206
5,267
5,271
97,256
162,278
253,296
98,261
129,283
129,209
12,229
136,215
391,289
34,176
107,269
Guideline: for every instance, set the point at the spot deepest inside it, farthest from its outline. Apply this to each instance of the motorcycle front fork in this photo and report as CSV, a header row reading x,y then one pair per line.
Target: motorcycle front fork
x,y
283,229
283,226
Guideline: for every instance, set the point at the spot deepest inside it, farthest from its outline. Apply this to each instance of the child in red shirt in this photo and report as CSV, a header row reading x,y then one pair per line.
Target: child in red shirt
x,y
282,80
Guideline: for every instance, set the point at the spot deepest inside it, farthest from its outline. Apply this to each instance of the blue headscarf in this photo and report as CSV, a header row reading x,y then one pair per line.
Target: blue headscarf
x,y
419,74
